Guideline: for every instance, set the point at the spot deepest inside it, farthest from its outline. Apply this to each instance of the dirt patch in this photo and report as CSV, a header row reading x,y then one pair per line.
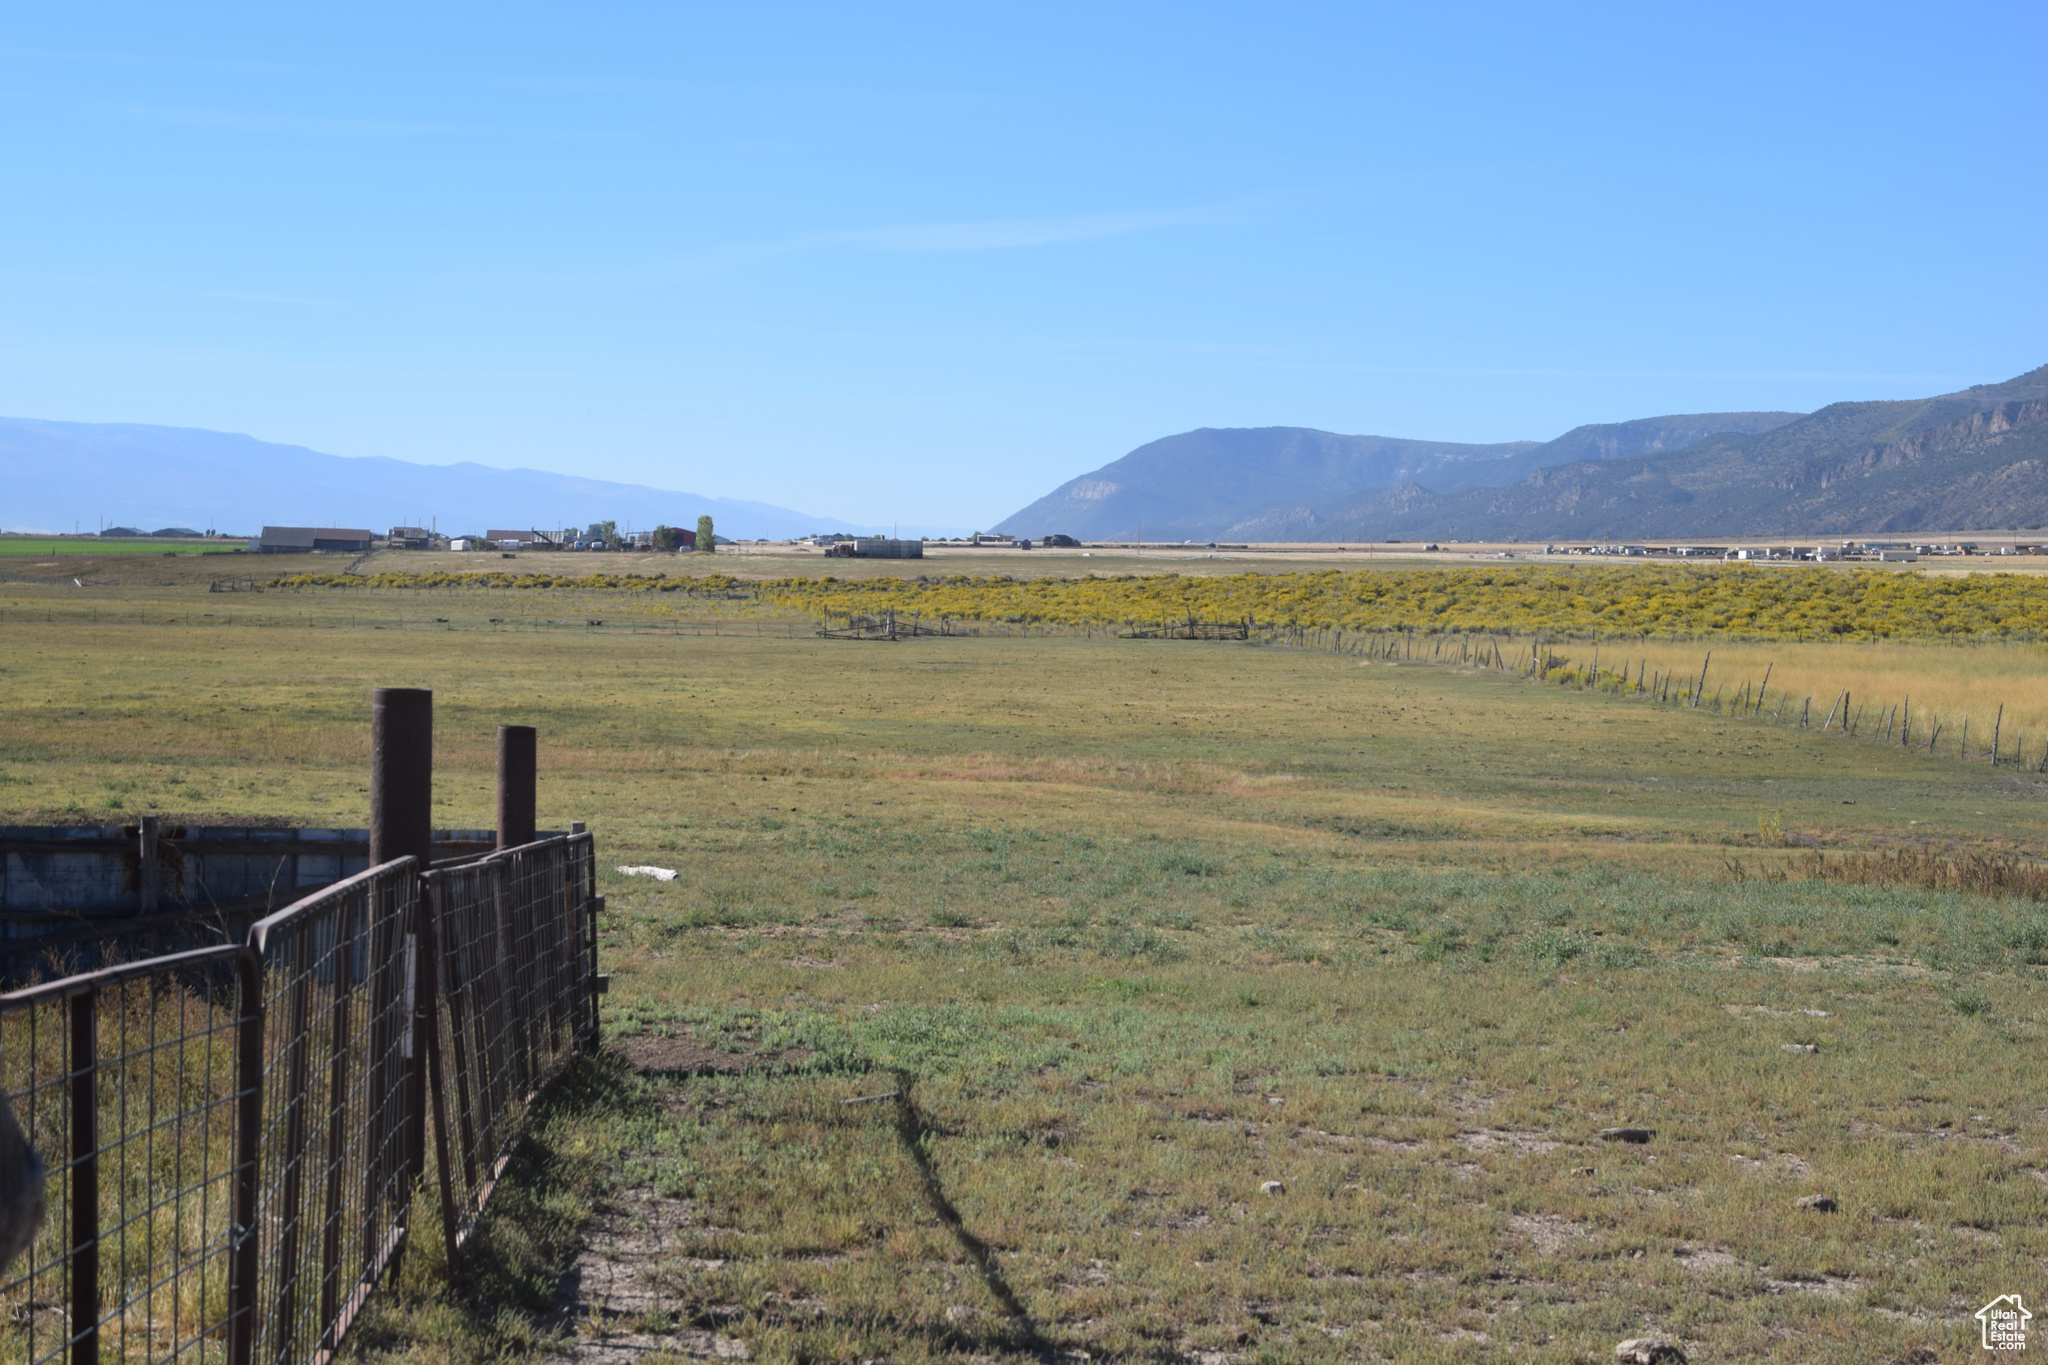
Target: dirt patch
x,y
1547,1232
1706,1260
617,1305
1468,1101
1821,1286
682,1055
1520,1142
1783,1164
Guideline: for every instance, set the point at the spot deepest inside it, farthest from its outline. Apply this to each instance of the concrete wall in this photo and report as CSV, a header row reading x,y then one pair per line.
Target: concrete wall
x,y
60,876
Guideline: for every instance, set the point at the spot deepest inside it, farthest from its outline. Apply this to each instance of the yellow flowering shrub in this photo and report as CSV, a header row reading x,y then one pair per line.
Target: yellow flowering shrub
x,y
1650,602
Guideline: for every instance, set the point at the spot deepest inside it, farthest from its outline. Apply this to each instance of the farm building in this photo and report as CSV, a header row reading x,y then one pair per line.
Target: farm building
x,y
523,540
877,548
299,540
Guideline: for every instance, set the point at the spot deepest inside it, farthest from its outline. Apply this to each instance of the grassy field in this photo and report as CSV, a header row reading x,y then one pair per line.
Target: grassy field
x,y
56,547
1787,639
1142,926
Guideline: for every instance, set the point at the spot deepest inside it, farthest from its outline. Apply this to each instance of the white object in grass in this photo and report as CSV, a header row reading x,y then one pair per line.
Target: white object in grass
x,y
660,874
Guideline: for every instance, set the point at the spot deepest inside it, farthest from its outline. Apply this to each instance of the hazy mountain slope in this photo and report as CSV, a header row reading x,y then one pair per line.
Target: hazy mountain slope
x,y
1613,441
61,473
1214,483
1974,459
1190,486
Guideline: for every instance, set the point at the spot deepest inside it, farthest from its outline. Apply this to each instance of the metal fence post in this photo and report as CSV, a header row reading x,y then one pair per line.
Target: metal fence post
x,y
293,1202
339,1132
419,992
85,1180
242,1267
518,774
437,1085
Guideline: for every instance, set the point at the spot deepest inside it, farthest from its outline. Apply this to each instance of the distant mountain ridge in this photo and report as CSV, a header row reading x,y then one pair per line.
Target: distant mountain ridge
x,y
61,473
1974,459
1283,483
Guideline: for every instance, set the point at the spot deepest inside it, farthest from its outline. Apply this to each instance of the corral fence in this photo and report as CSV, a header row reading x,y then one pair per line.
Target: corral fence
x,y
235,1135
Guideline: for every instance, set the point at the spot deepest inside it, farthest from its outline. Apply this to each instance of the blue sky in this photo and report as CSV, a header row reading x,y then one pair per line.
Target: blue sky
x,y
924,263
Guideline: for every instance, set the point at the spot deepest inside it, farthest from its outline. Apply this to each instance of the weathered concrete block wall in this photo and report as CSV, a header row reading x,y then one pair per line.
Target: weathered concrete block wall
x,y
55,876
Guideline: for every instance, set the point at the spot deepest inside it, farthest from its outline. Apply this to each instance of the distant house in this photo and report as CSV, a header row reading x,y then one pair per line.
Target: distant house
x,y
877,548
299,540
523,540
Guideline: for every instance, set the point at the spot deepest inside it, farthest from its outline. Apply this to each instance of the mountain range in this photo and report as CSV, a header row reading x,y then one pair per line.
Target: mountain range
x,y
1976,459
61,473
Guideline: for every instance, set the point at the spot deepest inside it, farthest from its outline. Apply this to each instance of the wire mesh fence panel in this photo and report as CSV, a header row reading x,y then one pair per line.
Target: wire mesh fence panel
x,y
515,942
86,948
127,1082
336,1169
474,968
233,1135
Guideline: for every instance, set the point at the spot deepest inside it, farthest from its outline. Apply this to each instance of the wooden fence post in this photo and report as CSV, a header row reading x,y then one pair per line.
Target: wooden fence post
x,y
401,825
518,777
401,775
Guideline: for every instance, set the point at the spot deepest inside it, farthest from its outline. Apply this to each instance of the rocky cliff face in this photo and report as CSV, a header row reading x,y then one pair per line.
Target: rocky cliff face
x,y
1978,429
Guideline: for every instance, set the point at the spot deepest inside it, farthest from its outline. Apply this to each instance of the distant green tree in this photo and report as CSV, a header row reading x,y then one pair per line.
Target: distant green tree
x,y
706,540
608,532
667,538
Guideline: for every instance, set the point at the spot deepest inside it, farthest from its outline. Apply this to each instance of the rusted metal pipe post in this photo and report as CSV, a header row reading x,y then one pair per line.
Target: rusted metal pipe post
x,y
401,774
243,1267
518,775
85,1180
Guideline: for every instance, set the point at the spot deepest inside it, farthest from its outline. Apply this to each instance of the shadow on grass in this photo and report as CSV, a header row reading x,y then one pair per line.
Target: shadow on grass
x,y
522,1261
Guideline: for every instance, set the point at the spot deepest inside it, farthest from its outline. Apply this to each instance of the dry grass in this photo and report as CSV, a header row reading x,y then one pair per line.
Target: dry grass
x,y
1929,871
1150,924
1943,683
